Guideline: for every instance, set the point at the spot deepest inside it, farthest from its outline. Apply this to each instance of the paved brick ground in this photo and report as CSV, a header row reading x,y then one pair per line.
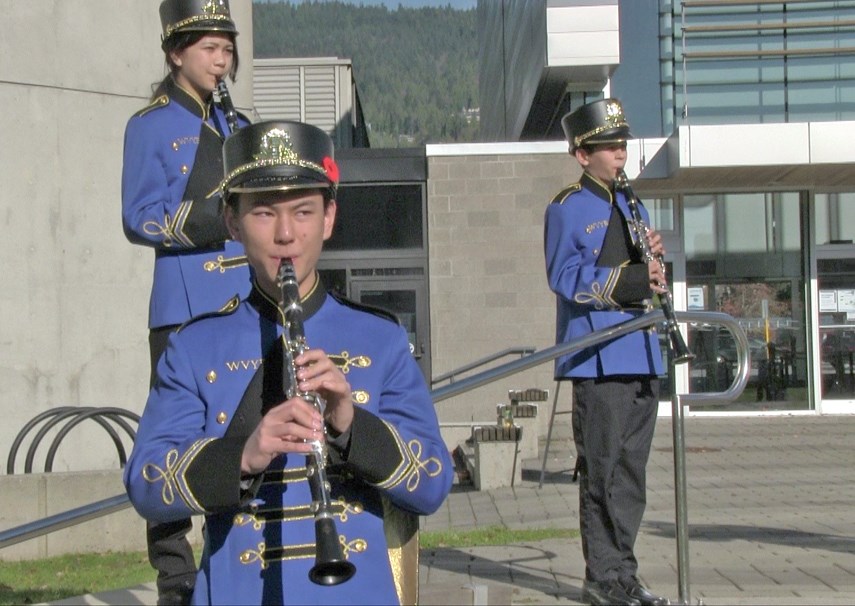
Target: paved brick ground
x,y
771,508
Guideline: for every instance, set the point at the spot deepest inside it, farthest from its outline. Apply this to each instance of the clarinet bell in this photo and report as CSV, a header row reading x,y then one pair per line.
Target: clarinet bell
x,y
683,357
331,568
679,348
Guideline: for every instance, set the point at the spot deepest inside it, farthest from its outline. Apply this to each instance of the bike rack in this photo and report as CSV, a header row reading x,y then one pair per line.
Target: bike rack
x,y
77,414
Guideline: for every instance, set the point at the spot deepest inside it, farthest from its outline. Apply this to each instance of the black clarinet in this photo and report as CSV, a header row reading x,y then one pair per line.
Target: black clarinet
x,y
666,300
228,106
331,567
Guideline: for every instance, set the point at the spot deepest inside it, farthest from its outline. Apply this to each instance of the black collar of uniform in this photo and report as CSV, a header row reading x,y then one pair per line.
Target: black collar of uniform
x,y
269,308
597,187
187,100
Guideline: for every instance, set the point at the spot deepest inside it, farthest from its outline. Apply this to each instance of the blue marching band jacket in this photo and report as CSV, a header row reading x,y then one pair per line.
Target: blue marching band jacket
x,y
172,168
596,272
260,542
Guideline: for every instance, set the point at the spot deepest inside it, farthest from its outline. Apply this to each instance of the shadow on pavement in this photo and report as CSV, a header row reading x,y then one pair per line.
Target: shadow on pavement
x,y
523,568
758,534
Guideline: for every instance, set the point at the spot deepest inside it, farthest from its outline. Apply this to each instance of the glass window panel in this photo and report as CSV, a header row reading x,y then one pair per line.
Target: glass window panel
x,y
746,224
402,303
822,223
788,89
815,69
699,226
335,279
834,218
736,72
837,328
790,229
378,217
661,213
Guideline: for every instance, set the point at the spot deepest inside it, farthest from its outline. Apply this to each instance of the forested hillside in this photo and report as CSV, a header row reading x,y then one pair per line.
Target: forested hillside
x,y
416,69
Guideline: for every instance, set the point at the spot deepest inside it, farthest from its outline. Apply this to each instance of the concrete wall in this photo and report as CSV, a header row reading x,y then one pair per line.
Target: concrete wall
x,y
488,288
47,494
74,301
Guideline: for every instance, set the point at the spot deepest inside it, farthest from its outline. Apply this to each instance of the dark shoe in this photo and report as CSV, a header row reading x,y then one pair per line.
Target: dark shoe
x,y
606,593
641,593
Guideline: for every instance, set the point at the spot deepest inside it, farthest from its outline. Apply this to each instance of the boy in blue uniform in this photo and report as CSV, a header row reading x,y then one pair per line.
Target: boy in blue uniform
x,y
600,279
172,168
219,437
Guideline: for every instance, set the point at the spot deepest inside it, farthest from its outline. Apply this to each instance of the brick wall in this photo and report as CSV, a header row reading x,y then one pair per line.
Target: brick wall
x,y
488,289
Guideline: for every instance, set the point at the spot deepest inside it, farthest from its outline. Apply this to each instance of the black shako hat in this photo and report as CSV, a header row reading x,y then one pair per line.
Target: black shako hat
x,y
278,155
602,121
195,16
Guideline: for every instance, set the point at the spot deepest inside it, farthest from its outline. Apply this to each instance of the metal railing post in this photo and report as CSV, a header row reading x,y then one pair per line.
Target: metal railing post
x,y
740,380
680,505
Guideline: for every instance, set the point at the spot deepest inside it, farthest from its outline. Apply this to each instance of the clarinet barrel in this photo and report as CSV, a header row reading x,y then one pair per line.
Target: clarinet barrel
x,y
331,567
228,106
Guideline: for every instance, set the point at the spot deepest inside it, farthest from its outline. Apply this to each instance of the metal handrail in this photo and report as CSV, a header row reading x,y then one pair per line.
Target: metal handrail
x,y
119,502
520,351
64,519
607,334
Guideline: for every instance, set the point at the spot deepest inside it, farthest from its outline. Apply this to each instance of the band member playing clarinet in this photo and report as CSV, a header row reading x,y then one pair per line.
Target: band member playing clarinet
x,y
600,279
171,171
225,434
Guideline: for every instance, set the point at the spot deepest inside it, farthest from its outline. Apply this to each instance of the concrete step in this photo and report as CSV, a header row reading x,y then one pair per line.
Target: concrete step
x,y
481,594
132,596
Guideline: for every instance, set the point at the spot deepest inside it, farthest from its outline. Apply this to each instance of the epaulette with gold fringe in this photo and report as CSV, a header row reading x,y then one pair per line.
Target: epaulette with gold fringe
x,y
229,308
161,101
564,193
377,311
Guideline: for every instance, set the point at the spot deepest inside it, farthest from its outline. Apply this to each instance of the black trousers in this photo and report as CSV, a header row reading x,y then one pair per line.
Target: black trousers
x,y
169,551
613,423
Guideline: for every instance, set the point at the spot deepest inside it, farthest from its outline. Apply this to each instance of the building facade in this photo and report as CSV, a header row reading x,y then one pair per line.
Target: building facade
x,y
745,110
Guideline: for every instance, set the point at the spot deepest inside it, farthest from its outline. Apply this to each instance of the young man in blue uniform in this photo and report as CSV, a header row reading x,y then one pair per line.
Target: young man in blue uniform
x,y
599,278
219,436
172,168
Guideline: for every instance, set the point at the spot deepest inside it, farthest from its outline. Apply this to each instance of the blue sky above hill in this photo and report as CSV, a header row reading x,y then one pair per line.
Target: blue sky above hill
x,y
393,4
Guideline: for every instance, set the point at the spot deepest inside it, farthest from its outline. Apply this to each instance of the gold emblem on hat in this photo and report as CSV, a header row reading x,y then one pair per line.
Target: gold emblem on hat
x,y
215,7
212,10
614,114
275,146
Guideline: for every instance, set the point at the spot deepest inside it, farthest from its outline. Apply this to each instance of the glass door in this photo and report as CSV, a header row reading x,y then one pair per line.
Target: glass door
x,y
770,313
744,257
836,342
833,301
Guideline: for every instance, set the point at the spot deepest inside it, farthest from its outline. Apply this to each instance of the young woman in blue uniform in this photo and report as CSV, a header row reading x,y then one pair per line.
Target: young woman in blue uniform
x,y
171,172
596,271
220,437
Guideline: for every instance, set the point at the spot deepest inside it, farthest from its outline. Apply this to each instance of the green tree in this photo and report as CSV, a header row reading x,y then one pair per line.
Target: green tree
x,y
416,69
